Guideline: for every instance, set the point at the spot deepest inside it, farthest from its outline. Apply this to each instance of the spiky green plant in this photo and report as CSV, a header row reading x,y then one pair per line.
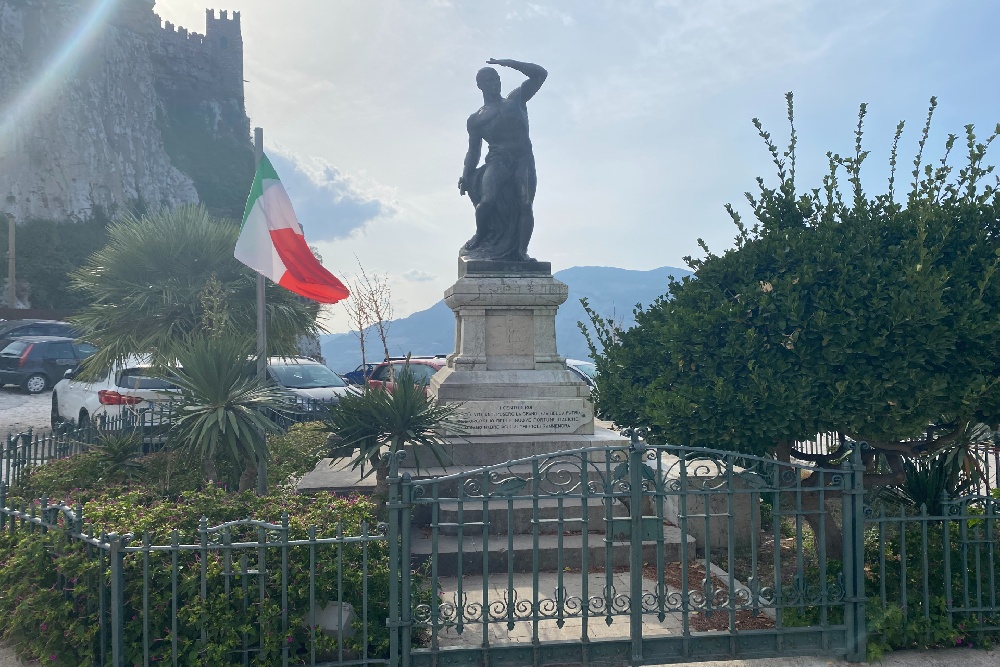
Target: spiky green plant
x,y
377,421
950,473
220,414
118,452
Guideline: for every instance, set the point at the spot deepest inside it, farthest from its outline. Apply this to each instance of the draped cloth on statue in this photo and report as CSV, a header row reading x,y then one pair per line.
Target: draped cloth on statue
x,y
513,174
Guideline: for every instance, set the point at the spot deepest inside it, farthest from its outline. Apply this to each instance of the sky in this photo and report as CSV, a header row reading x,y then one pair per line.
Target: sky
x,y
642,132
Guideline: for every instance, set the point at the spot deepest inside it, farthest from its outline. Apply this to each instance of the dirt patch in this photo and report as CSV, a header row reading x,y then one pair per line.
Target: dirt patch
x,y
719,620
20,411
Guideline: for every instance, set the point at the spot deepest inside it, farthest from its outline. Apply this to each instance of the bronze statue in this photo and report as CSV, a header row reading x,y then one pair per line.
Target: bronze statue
x,y
503,188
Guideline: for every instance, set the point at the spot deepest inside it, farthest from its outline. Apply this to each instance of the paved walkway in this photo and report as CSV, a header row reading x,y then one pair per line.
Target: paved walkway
x,y
953,657
956,657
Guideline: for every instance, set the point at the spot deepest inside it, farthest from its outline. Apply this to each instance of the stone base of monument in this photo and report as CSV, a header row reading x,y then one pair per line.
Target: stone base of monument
x,y
515,394
517,400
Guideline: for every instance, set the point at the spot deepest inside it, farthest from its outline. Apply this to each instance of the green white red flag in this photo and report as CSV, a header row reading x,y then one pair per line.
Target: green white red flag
x,y
272,244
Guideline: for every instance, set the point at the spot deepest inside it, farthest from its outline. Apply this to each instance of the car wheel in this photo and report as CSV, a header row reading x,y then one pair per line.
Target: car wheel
x,y
55,420
35,384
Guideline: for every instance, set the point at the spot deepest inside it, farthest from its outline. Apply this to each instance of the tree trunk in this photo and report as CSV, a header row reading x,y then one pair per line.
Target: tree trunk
x,y
248,479
812,513
208,469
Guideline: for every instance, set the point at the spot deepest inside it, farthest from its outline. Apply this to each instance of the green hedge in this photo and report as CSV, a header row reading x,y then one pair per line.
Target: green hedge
x,y
51,584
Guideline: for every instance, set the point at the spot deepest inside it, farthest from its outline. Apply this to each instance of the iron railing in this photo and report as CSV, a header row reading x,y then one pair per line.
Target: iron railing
x,y
34,447
932,570
631,554
244,592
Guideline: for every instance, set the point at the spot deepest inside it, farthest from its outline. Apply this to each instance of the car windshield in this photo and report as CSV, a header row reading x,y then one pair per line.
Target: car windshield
x,y
142,378
588,369
305,376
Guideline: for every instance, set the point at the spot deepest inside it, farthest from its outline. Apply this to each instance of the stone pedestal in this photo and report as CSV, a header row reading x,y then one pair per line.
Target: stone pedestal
x,y
506,370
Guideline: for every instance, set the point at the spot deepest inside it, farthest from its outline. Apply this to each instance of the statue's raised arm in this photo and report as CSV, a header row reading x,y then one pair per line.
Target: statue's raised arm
x,y
536,76
503,188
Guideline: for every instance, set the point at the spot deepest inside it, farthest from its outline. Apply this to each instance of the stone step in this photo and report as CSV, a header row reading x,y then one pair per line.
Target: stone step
x,y
518,515
548,552
557,476
336,476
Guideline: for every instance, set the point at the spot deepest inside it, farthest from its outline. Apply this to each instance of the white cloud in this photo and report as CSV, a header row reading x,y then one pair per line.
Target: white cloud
x,y
328,203
533,10
418,276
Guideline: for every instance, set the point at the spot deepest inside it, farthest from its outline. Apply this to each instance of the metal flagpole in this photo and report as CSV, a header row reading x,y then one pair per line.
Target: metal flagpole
x,y
258,141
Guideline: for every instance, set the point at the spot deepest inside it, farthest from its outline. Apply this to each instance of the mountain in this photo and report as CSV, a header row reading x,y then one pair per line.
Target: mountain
x,y
611,292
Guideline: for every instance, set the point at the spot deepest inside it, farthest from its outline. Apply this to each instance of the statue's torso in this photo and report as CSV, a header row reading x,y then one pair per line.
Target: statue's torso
x,y
504,126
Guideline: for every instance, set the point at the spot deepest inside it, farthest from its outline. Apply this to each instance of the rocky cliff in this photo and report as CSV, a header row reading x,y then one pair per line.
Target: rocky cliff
x,y
102,108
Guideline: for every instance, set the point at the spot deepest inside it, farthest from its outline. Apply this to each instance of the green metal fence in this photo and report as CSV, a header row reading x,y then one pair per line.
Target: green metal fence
x,y
605,555
231,597
33,447
936,571
585,556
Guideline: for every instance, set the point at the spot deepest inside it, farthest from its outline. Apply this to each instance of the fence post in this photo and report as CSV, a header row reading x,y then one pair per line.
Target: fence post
x,y
854,555
116,559
393,508
636,449
406,594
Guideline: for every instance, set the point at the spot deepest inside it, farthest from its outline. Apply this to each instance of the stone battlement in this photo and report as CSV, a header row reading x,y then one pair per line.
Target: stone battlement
x,y
216,55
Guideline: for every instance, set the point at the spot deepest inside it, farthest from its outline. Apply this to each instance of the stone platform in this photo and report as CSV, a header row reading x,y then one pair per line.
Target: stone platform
x,y
517,397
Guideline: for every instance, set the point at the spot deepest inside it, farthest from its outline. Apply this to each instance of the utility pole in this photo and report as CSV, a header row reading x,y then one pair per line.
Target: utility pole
x,y
11,274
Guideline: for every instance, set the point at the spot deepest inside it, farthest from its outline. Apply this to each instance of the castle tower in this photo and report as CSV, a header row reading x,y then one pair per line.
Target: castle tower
x,y
224,39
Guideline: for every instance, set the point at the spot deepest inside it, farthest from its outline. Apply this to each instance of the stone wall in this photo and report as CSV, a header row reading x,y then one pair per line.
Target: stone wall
x,y
91,130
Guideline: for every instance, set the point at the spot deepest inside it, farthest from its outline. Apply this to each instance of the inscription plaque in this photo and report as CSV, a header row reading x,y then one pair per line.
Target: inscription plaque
x,y
525,417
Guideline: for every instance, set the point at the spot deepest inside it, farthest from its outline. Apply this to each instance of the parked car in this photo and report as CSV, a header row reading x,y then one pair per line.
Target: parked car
x,y
309,380
37,362
421,368
585,370
360,375
11,329
130,391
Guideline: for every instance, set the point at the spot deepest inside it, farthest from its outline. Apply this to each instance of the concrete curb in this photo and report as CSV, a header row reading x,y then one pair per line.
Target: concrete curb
x,y
951,657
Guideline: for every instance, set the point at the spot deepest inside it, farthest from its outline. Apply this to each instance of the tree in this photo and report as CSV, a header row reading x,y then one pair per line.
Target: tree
x,y
149,287
370,310
867,316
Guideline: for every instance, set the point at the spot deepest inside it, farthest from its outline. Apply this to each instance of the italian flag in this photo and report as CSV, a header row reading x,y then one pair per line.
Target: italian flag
x,y
272,244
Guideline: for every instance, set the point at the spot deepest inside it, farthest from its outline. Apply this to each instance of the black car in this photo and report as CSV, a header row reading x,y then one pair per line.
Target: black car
x,y
12,329
38,362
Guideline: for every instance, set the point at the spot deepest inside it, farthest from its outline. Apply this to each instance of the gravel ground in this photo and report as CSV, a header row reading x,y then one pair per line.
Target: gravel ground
x,y
19,411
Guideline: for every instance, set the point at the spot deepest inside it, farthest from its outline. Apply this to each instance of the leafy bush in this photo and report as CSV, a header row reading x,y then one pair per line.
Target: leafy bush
x,y
296,452
902,568
951,473
85,476
52,583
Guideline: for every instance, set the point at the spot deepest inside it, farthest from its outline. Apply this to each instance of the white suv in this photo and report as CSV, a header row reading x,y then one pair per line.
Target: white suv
x,y
126,391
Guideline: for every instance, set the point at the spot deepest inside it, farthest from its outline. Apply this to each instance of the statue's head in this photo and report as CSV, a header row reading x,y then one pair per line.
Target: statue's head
x,y
488,81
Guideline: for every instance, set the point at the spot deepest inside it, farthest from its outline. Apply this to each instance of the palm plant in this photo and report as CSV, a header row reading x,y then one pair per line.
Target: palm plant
x,y
949,473
221,413
377,421
150,287
117,452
